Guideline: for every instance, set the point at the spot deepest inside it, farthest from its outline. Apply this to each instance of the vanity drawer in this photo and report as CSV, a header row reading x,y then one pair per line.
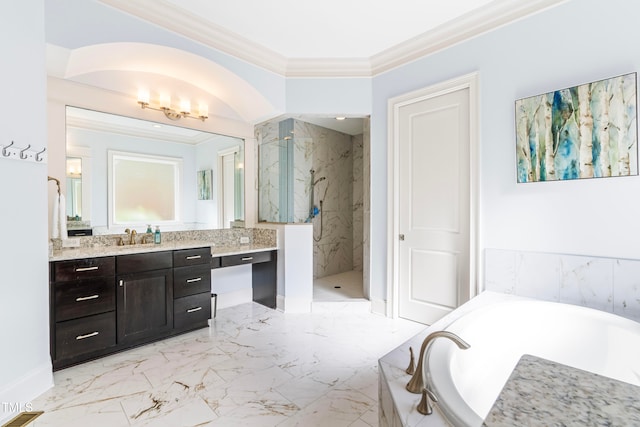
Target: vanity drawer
x,y
192,310
250,258
188,257
85,335
191,280
83,268
148,261
84,298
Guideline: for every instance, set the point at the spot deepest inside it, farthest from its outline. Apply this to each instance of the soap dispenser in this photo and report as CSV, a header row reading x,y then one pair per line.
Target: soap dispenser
x,y
149,230
156,235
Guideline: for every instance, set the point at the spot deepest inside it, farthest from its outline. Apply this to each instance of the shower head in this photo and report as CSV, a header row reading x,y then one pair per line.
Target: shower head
x,y
320,179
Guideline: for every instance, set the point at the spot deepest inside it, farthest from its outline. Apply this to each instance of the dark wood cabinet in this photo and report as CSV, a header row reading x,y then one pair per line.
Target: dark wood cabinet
x,y
102,305
82,309
191,288
144,305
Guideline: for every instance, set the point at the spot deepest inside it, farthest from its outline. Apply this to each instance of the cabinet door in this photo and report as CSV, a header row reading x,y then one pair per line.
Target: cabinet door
x,y
144,306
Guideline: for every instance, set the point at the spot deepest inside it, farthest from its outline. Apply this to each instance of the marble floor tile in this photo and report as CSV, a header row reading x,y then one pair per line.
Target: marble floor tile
x,y
252,367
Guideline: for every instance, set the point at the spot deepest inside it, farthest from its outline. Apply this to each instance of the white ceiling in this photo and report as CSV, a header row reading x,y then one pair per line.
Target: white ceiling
x,y
303,38
328,28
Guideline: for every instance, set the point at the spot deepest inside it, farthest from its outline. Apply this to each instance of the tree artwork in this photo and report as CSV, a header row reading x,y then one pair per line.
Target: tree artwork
x,y
587,131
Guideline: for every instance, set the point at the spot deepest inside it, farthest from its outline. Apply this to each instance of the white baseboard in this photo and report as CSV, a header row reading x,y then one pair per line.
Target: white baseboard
x,y
230,299
295,305
379,306
17,396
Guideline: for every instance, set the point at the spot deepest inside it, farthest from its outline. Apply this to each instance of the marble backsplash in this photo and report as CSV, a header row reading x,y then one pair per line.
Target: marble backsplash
x,y
607,284
220,237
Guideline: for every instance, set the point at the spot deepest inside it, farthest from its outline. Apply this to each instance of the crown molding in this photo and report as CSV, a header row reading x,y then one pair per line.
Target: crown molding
x,y
170,17
328,67
468,26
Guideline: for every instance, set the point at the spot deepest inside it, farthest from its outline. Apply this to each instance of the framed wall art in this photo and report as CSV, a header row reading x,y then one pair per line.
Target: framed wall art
x,y
205,189
586,131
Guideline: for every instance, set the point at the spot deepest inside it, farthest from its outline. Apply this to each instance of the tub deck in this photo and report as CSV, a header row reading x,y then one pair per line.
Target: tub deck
x,y
540,390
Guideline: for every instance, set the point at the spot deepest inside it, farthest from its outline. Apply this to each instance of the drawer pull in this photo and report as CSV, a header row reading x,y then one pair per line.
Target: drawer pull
x,y
247,258
194,257
92,334
197,279
193,310
81,269
87,298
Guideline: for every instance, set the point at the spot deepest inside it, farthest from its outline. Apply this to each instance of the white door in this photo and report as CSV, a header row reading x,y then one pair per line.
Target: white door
x,y
434,205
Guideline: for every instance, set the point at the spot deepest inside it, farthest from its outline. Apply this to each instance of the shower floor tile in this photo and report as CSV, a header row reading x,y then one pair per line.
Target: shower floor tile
x,y
345,286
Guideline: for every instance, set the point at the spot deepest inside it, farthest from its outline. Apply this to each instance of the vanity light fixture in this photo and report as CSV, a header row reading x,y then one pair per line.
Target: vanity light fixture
x,y
340,118
170,113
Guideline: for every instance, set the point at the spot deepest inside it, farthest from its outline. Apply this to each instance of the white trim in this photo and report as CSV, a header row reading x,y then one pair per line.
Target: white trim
x,y
469,81
219,176
473,24
26,388
495,15
294,305
379,306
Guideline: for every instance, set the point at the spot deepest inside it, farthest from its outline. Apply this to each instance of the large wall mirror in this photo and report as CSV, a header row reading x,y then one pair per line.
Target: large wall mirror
x,y
124,172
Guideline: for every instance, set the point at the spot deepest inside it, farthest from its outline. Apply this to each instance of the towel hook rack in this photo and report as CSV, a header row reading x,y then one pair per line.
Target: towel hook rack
x,y
5,153
22,155
38,158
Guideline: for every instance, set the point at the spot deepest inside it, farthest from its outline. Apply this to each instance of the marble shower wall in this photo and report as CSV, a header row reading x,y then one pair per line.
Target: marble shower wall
x,y
607,284
358,200
330,154
340,159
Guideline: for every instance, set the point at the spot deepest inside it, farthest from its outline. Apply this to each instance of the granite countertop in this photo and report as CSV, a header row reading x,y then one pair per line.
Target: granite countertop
x,y
540,392
101,251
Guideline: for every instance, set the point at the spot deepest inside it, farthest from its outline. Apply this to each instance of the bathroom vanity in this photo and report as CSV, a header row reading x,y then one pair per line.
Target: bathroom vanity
x,y
106,300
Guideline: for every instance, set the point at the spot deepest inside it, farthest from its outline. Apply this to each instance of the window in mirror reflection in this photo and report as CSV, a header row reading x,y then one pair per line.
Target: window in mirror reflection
x,y
144,189
74,189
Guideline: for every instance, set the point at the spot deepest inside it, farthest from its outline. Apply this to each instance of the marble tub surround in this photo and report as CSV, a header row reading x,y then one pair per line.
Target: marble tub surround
x,y
607,284
222,242
397,405
252,367
540,390
469,382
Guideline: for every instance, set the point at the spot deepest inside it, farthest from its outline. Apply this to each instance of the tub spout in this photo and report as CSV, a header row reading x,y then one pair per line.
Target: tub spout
x,y
416,383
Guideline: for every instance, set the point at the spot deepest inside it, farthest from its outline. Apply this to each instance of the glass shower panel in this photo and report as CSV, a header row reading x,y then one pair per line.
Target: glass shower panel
x,y
272,172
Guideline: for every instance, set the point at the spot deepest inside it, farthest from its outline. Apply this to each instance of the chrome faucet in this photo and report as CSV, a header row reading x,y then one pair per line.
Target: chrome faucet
x,y
417,383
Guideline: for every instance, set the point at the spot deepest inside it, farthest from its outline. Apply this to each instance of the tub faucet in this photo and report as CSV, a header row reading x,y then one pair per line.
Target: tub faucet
x,y
417,383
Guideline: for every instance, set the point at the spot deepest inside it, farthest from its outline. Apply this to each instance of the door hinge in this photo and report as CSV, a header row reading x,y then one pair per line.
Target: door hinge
x,y
401,237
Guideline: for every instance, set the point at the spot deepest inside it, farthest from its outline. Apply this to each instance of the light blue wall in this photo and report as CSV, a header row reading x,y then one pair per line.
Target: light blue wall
x,y
577,42
349,96
25,368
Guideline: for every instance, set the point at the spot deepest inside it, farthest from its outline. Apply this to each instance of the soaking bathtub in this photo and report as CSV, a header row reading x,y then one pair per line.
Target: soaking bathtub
x,y
500,329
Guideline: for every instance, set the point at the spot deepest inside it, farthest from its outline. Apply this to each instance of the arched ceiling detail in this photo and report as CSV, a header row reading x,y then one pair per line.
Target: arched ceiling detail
x,y
192,74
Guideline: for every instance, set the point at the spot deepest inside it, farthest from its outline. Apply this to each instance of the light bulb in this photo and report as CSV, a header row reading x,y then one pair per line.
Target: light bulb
x,y
203,110
165,100
143,96
185,106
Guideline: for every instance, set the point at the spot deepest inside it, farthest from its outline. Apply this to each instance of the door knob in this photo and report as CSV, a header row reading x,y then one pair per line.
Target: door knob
x,y
401,237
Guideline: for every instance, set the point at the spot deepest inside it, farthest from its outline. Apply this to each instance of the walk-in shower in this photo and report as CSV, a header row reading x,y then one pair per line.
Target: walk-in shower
x,y
314,175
